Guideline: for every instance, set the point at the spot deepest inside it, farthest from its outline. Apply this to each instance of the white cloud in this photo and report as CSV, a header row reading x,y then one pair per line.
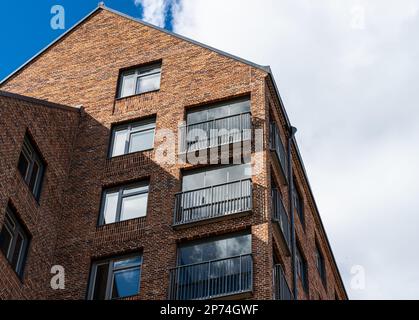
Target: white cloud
x,y
349,84
154,11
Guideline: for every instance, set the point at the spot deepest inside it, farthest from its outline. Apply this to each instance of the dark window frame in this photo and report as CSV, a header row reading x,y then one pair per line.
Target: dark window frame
x,y
30,152
111,272
146,68
210,239
129,126
15,228
298,202
320,262
121,196
301,263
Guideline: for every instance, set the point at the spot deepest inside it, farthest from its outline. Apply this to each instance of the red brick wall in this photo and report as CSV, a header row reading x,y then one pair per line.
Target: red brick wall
x,y
83,69
53,129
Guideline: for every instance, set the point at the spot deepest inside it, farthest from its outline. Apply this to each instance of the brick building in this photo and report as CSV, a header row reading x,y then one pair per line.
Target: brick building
x,y
82,184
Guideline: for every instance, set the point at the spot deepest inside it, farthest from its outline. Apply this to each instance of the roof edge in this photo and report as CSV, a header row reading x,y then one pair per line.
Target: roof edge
x,y
45,103
101,6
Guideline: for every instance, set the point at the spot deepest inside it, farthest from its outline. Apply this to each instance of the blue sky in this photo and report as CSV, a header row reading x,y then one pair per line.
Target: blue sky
x,y
25,25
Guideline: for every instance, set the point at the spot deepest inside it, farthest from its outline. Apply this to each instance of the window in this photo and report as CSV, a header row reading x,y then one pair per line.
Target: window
x,y
14,241
31,167
301,266
139,80
201,179
115,278
298,203
320,263
133,137
214,249
218,111
124,203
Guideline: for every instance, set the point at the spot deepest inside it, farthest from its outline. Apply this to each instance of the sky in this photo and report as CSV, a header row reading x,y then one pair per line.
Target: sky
x,y
348,73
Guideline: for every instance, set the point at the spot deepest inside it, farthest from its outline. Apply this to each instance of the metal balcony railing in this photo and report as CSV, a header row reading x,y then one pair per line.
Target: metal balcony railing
x,y
281,289
277,146
280,216
214,133
213,202
212,279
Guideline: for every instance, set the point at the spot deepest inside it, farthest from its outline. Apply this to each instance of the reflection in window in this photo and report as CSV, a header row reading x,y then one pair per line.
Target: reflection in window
x,y
212,177
214,249
116,278
124,203
218,111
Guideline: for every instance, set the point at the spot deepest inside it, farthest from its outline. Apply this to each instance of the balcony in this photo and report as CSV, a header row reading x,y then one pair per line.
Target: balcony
x,y
215,133
217,201
278,149
212,279
279,215
281,289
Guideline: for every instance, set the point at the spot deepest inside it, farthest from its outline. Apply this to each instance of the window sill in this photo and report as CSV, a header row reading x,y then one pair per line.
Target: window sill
x,y
132,154
137,95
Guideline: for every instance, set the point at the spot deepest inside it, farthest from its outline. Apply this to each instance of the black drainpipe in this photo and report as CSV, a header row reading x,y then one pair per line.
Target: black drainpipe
x,y
292,131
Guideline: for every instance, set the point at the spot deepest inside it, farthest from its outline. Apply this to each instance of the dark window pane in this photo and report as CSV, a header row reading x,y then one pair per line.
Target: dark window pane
x,y
126,283
215,249
5,240
34,176
101,281
23,165
17,252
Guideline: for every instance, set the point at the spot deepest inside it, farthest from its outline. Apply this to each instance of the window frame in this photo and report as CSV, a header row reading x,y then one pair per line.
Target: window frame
x,y
319,258
30,152
111,274
304,268
298,203
15,228
130,131
139,72
120,189
211,239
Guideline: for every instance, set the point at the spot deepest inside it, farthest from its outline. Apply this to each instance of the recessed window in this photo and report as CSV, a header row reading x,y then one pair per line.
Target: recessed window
x,y
133,137
124,203
139,80
115,278
31,167
320,263
14,242
301,266
298,203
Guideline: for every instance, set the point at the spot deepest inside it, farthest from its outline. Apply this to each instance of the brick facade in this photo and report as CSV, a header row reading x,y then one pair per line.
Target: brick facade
x,y
82,68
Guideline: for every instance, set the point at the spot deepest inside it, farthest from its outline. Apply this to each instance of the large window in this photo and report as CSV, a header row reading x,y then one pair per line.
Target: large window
x,y
211,177
320,263
213,268
115,278
14,241
214,249
31,167
139,80
301,266
218,111
124,203
133,137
